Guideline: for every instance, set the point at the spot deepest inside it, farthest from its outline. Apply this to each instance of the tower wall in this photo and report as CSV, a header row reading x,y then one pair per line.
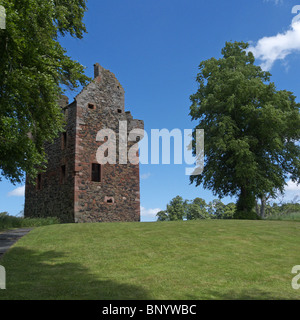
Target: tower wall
x,y
73,196
117,196
53,195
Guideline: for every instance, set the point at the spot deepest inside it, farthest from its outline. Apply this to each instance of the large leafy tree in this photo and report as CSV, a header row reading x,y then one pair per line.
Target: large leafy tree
x,y
251,129
34,68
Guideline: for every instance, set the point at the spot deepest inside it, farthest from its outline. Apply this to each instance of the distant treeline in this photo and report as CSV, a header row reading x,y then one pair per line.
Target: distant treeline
x,y
180,209
283,211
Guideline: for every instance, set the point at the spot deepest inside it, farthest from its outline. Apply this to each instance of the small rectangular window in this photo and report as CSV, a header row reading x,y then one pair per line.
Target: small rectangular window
x,y
119,110
64,140
65,110
62,174
96,172
110,200
39,182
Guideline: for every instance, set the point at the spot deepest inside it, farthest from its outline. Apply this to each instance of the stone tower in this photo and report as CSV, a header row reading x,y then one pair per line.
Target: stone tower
x,y
75,187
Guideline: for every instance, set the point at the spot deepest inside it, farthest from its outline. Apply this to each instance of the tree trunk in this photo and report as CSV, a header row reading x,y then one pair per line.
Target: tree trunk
x,y
257,207
245,205
263,206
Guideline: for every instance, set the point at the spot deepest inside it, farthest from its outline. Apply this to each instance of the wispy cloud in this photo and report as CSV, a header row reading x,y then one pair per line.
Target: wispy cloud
x,y
277,2
271,49
149,214
18,192
145,175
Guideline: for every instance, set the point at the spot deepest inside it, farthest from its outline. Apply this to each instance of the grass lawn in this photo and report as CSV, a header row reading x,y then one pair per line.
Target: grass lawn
x,y
204,259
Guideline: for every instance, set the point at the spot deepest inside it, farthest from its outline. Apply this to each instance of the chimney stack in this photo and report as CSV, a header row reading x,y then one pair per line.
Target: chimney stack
x,y
96,70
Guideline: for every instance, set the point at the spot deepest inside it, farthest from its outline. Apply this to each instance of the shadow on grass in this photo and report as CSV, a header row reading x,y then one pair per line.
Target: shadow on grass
x,y
32,275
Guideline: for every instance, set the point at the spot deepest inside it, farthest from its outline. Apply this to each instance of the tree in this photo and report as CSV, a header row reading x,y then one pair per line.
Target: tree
x,y
34,68
229,211
250,129
196,209
175,210
216,208
260,209
162,216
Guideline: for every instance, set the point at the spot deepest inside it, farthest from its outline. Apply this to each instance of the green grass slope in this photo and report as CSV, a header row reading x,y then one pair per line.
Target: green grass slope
x,y
209,259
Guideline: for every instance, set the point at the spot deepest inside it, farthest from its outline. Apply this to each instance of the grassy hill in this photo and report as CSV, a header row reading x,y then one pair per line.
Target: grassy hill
x,y
208,259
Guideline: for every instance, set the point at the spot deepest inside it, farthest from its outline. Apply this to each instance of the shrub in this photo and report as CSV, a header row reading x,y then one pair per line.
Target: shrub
x,y
246,215
11,222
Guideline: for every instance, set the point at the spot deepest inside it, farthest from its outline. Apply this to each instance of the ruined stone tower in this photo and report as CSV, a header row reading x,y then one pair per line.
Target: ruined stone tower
x,y
75,187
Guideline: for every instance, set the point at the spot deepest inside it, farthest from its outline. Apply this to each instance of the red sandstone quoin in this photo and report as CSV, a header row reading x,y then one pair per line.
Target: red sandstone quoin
x,y
75,187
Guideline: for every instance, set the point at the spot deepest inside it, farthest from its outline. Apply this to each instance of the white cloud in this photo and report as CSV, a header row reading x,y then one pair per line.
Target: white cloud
x,y
271,49
145,175
275,1
148,215
291,192
18,192
292,186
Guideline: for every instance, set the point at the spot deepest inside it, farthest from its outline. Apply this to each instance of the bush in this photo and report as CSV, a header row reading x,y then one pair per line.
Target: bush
x,y
11,222
288,216
246,215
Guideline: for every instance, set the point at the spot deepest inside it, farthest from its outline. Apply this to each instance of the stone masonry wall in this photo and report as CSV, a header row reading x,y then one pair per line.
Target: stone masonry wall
x,y
55,197
77,198
117,196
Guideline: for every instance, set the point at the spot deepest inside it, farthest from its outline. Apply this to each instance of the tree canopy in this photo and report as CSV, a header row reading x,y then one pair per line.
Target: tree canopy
x,y
34,68
179,209
251,129
198,208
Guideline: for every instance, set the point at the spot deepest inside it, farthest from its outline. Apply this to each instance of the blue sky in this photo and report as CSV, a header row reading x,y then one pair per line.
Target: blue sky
x,y
154,48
